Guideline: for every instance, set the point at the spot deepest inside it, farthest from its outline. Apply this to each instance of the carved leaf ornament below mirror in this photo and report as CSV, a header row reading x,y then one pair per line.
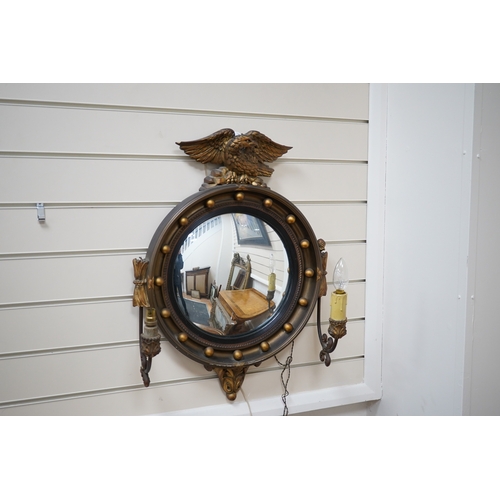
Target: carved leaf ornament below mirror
x,y
233,273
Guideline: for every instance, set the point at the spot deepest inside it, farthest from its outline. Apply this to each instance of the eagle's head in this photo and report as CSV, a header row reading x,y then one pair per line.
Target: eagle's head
x,y
243,141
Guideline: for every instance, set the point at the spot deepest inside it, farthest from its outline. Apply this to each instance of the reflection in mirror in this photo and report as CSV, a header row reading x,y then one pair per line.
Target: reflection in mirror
x,y
231,274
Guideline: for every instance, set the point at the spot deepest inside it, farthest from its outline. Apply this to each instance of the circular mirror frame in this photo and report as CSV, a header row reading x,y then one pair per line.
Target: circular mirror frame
x,y
303,284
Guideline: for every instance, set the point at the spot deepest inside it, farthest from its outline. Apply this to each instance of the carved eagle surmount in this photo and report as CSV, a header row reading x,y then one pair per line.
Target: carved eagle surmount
x,y
239,153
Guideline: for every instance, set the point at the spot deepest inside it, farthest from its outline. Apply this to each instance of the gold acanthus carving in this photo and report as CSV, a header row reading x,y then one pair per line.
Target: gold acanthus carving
x,y
231,379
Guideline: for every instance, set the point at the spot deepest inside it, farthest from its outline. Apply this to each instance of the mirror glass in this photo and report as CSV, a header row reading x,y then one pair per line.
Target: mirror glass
x,y
230,274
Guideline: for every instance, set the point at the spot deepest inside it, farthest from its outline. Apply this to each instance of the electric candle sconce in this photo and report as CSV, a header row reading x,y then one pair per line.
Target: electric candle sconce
x,y
263,309
271,289
338,313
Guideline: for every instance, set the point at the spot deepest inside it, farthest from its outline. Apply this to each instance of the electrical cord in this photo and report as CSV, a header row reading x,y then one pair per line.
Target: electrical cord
x,y
286,370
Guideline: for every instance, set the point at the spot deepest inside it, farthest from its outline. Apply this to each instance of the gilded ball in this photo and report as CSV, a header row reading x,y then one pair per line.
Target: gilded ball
x,y
159,281
264,346
231,396
290,219
237,354
304,243
209,352
288,327
268,203
184,221
239,197
165,313
165,249
309,272
210,204
303,302
182,337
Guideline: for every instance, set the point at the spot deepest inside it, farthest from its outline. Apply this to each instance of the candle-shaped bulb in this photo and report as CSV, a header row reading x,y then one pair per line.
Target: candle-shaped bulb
x,y
338,302
272,276
272,283
340,276
272,263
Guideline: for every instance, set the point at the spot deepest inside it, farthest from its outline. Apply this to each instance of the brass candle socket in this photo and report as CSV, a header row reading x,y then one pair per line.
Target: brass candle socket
x,y
337,330
270,297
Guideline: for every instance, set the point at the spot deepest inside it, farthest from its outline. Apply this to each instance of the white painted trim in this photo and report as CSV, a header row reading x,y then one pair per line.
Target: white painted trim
x,y
374,308
297,403
472,249
466,272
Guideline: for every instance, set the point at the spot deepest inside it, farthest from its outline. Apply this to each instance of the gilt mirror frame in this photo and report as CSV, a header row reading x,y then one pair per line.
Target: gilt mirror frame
x,y
234,188
230,356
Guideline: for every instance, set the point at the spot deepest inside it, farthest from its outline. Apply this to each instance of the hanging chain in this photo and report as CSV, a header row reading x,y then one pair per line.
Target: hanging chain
x,y
286,369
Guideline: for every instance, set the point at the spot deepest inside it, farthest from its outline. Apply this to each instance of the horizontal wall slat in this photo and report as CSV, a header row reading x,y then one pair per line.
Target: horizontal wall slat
x,y
80,326
88,131
336,222
82,228
97,180
330,181
268,384
105,369
83,371
354,256
74,278
67,326
123,180
350,101
155,399
307,347
70,229
160,399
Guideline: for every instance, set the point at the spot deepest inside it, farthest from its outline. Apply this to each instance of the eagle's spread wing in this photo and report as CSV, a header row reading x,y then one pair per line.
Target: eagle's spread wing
x,y
209,149
266,150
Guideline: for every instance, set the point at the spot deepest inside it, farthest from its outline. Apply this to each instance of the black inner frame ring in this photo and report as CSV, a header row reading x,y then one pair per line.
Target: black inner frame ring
x,y
263,331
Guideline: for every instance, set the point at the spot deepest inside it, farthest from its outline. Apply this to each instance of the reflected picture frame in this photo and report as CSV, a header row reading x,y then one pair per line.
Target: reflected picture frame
x,y
250,230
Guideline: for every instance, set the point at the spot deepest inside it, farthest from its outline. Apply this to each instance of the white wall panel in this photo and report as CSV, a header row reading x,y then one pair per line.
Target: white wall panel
x,y
428,170
76,278
47,129
354,255
68,326
114,227
101,369
80,278
90,370
335,100
156,399
118,180
482,374
109,172
96,180
81,326
261,385
79,228
306,349
337,222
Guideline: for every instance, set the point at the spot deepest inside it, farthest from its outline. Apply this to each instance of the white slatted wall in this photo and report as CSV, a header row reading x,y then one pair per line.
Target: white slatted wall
x,y
103,160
